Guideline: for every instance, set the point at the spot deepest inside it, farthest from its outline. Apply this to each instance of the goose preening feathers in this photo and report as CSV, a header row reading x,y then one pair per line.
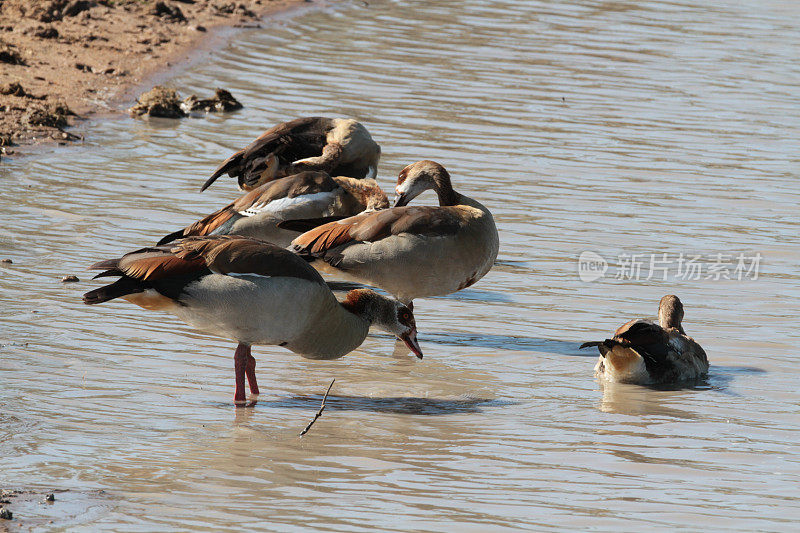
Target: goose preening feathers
x,y
643,352
338,146
307,195
252,292
411,252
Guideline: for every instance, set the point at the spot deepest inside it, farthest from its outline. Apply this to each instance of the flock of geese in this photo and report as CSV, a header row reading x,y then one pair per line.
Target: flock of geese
x,y
250,271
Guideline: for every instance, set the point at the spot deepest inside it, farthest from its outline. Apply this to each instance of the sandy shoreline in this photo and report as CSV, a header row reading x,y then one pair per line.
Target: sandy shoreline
x,y
93,57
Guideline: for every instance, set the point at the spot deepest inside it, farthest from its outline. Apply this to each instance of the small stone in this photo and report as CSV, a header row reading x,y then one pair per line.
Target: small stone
x,y
168,11
69,279
13,89
222,101
5,514
158,102
77,6
12,57
46,33
53,115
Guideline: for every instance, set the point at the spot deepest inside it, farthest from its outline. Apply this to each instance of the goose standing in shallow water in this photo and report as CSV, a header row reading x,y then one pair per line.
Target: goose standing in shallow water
x,y
305,195
338,146
411,252
643,352
254,293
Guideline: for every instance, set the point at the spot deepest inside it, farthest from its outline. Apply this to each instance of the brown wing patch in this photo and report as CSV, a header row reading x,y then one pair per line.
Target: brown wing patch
x,y
240,255
428,220
288,187
155,265
371,227
206,225
263,158
321,239
374,226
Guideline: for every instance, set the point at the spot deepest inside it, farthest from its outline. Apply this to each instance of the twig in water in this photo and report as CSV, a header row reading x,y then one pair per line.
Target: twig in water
x,y
321,408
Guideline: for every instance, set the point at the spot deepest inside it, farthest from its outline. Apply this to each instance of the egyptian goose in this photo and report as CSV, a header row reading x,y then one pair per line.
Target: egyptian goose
x,y
643,352
411,252
339,146
307,195
254,293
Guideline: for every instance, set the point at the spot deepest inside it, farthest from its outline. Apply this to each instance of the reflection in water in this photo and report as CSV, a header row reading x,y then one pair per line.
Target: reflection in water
x,y
620,128
641,458
476,295
506,342
640,400
625,398
397,405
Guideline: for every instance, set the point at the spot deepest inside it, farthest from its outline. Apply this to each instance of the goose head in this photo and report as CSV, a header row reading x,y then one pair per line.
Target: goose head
x,y
386,314
670,313
372,165
418,177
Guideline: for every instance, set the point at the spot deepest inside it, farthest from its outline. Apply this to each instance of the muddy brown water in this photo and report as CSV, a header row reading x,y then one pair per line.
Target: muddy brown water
x,y
638,128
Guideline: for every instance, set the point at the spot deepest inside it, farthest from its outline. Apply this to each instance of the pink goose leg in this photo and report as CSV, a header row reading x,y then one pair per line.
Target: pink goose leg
x,y
250,372
240,361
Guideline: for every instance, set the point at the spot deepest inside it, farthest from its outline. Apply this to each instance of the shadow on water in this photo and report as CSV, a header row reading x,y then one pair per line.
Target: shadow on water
x,y
475,295
470,295
513,267
718,380
720,377
393,404
506,342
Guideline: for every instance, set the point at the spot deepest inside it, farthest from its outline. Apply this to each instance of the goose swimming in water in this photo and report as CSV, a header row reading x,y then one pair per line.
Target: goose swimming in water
x,y
338,146
411,252
307,195
643,352
252,292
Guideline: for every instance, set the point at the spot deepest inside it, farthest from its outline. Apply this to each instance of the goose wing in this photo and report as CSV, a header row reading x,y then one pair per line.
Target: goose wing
x,y
324,241
288,141
169,268
257,200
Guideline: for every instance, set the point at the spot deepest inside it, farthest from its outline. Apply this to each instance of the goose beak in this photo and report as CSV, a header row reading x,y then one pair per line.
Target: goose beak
x,y
410,339
400,200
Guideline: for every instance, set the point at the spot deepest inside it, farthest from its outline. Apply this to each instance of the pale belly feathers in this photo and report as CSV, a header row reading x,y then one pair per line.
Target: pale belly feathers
x,y
279,310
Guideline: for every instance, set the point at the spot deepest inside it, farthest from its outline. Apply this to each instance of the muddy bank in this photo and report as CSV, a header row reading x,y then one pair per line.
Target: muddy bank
x,y
64,59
